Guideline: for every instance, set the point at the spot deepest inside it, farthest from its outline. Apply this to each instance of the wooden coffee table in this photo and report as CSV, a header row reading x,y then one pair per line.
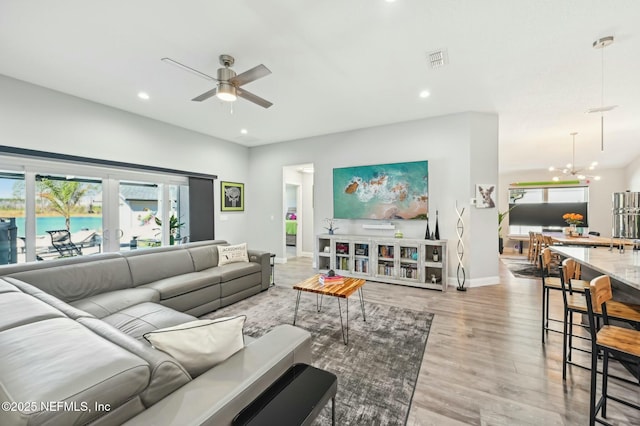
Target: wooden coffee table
x,y
340,291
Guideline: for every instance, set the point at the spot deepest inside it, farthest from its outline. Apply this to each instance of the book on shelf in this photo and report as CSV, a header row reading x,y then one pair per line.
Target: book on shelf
x,y
325,279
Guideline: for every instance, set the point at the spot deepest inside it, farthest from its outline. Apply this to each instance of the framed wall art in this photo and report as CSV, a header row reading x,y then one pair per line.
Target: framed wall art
x,y
485,193
381,191
232,197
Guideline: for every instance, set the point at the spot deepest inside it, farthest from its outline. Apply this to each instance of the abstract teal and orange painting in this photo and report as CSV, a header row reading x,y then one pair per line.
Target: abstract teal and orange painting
x,y
382,191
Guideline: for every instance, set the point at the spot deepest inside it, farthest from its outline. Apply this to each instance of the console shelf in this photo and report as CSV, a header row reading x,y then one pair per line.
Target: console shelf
x,y
412,262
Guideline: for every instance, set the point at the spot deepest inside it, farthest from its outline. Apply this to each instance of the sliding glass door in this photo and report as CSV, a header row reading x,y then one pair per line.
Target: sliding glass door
x,y
12,217
50,210
68,212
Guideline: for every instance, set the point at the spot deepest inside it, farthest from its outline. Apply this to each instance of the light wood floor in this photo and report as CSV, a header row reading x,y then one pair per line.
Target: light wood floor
x,y
484,363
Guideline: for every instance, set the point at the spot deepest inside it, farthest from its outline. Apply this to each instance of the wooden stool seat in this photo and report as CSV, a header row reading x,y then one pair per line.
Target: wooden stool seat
x,y
619,339
553,282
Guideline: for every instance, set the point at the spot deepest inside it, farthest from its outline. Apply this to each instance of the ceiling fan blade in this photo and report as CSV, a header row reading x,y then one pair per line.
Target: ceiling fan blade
x,y
206,95
253,98
250,75
186,68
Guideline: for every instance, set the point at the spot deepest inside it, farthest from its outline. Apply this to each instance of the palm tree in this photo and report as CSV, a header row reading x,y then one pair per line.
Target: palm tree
x,y
63,196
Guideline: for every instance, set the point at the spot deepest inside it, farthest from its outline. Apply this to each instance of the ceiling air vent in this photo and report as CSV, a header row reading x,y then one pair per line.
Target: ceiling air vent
x,y
438,58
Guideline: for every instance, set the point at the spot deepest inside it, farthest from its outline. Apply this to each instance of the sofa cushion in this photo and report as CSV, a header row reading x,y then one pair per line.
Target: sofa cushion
x,y
18,309
6,287
233,271
80,280
204,257
145,317
109,303
59,360
63,307
181,284
167,374
149,267
200,345
232,254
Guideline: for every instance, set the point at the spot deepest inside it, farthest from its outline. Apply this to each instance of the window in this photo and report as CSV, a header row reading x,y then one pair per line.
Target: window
x,y
538,208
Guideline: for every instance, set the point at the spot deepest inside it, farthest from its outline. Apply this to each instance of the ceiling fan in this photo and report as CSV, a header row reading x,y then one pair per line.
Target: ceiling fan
x,y
229,83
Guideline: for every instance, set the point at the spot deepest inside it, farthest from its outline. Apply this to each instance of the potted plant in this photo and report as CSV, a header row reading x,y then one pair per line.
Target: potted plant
x,y
174,227
501,216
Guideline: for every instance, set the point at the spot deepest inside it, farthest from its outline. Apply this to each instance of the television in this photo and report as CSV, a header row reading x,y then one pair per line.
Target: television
x,y
382,191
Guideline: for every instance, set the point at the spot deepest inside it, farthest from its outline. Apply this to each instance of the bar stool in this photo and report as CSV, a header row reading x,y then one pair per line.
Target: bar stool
x,y
531,252
622,343
548,283
574,303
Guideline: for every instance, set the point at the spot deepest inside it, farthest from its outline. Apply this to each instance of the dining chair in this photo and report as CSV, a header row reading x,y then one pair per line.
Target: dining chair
x,y
621,344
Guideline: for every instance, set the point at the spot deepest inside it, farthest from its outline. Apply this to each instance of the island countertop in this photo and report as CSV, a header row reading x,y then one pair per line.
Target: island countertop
x,y
623,267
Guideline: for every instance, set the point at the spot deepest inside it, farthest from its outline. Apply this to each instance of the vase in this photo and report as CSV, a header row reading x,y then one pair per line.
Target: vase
x,y
573,230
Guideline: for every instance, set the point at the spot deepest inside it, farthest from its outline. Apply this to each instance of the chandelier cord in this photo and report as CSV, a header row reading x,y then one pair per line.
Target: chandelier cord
x,y
602,100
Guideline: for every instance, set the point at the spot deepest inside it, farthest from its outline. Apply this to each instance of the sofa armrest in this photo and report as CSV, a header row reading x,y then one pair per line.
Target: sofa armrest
x,y
218,395
263,258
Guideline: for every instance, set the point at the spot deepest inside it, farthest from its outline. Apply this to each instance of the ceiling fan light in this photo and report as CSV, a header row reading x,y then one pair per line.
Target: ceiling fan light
x,y
551,168
595,163
555,178
596,177
226,92
581,177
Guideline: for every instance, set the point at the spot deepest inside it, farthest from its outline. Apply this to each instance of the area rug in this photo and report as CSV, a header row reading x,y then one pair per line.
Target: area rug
x,y
522,268
377,370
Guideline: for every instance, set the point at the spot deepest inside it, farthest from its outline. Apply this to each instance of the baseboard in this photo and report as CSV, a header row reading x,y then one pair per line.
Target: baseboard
x,y
306,254
280,260
475,282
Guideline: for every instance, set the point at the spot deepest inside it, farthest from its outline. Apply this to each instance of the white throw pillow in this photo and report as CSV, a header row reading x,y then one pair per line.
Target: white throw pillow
x,y
201,344
230,254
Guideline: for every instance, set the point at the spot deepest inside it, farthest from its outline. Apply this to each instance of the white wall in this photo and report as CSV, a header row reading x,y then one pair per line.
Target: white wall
x,y
37,118
460,148
632,176
600,198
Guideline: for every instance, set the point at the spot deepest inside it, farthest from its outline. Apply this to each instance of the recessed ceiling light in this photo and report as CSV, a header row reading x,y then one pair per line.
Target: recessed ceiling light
x,y
143,95
425,94
244,131
390,1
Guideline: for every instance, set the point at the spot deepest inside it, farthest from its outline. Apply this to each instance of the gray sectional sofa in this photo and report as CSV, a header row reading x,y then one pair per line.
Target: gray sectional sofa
x,y
71,346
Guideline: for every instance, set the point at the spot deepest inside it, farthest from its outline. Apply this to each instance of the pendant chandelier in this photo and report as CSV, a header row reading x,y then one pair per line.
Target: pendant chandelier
x,y
572,170
601,44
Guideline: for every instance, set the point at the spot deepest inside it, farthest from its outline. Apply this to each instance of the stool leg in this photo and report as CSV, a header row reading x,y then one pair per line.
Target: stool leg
x,y
546,317
605,376
564,345
543,311
592,390
570,335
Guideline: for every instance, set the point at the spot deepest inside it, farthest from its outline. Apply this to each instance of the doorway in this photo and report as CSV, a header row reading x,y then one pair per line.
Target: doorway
x,y
297,206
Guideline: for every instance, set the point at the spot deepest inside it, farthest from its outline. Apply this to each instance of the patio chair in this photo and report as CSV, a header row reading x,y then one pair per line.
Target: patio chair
x,y
61,241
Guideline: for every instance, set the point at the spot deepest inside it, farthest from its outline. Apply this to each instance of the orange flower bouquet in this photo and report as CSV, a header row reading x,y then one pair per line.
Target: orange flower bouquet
x,y
573,218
